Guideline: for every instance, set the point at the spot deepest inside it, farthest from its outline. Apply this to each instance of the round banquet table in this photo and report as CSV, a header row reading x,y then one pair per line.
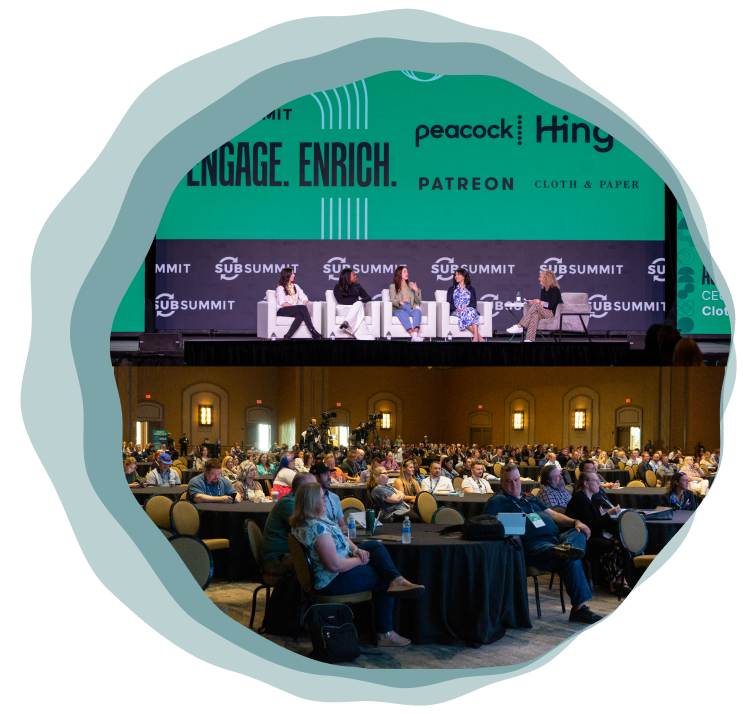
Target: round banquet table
x,y
468,504
227,520
660,532
529,472
474,589
143,493
144,467
352,490
188,474
636,497
624,476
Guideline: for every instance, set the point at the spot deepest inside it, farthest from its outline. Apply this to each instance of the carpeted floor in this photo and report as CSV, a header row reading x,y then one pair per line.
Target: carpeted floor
x,y
516,647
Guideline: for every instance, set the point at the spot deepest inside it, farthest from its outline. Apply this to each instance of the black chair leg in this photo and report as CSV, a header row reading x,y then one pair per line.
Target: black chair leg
x,y
536,594
562,598
552,580
255,598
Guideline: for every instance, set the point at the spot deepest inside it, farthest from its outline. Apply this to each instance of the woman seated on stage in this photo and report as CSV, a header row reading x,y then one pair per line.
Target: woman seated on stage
x,y
388,501
542,309
351,298
342,568
697,482
292,302
285,475
389,462
406,482
552,491
229,468
447,467
264,467
678,485
606,553
604,462
406,299
476,483
246,485
462,300
200,461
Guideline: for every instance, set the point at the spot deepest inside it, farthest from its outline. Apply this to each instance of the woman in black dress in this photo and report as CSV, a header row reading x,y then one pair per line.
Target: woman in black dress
x,y
542,309
351,298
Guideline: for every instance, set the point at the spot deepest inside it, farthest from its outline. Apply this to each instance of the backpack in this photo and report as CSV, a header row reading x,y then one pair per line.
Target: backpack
x,y
334,637
282,615
483,527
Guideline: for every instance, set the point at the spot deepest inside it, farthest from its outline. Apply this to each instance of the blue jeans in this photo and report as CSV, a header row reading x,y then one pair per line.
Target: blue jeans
x,y
410,319
376,576
537,553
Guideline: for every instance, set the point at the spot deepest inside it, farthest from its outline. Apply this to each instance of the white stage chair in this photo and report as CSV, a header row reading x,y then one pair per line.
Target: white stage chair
x,y
572,315
449,323
270,323
333,321
392,324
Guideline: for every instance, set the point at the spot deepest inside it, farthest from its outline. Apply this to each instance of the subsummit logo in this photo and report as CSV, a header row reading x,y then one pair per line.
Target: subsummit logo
x,y
166,304
444,268
334,266
228,268
559,268
656,269
601,306
497,304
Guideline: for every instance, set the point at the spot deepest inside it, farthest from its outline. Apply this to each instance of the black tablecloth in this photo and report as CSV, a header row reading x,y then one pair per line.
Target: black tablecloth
x,y
529,472
624,476
636,497
474,590
353,490
188,474
143,493
469,504
144,467
660,532
227,520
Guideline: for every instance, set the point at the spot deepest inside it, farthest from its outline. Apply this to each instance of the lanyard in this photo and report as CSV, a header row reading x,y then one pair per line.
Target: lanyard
x,y
521,501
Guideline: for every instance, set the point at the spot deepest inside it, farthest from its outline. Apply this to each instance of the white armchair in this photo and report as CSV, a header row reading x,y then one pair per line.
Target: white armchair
x,y
333,320
447,323
270,323
392,324
572,315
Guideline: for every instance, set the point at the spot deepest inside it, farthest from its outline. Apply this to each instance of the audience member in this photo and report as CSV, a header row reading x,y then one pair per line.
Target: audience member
x,y
406,482
436,482
476,483
552,491
389,502
130,469
697,482
678,485
284,476
246,486
163,473
229,468
333,508
687,354
211,486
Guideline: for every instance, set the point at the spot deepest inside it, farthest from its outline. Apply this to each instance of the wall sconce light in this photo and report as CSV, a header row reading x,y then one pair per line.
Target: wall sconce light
x,y
579,420
518,421
205,415
385,420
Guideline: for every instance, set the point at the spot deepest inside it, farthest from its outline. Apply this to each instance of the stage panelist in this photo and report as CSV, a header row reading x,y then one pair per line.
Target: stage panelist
x,y
406,299
292,302
541,309
462,300
351,297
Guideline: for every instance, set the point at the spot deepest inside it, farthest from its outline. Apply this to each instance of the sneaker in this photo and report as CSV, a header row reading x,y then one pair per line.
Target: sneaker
x,y
568,552
527,341
584,615
515,330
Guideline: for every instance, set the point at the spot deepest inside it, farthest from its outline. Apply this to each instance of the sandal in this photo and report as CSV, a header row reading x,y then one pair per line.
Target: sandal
x,y
392,639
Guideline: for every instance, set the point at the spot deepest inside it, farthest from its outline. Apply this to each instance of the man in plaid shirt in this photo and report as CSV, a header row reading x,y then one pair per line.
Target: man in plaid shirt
x,y
552,491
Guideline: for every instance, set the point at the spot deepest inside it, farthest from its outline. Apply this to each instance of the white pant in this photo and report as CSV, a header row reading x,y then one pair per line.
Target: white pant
x,y
354,316
697,485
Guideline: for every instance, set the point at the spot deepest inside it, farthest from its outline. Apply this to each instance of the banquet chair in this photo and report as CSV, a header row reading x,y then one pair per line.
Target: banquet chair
x,y
534,493
424,471
532,461
269,323
167,532
523,463
496,470
633,534
572,315
621,465
447,516
447,323
650,478
178,471
196,557
534,573
636,484
393,326
577,472
426,505
158,509
352,502
306,576
333,321
185,520
457,483
255,537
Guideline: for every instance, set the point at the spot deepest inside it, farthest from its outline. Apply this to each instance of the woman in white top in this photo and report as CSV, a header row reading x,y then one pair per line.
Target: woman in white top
x,y
476,483
292,302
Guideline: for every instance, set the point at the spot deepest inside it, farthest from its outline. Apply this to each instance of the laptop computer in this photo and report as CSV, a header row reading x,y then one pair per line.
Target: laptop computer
x,y
513,523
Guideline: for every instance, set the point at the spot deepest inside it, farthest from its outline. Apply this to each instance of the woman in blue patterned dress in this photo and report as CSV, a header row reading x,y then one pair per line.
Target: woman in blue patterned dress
x,y
463,303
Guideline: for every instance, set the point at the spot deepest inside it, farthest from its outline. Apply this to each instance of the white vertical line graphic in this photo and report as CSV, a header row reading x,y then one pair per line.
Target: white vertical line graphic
x,y
348,97
322,111
358,108
330,107
366,219
340,221
348,220
340,110
322,219
358,215
366,108
330,213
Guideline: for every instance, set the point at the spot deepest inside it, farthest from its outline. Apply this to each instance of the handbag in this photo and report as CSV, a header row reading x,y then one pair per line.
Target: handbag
x,y
333,634
482,527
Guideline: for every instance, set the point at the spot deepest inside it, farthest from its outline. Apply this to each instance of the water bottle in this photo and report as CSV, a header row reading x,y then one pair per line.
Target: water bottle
x,y
273,337
518,298
406,530
673,501
275,496
351,527
448,337
332,335
388,336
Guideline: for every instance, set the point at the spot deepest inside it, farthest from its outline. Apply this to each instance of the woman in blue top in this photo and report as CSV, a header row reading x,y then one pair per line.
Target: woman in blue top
x,y
342,568
264,468
463,304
